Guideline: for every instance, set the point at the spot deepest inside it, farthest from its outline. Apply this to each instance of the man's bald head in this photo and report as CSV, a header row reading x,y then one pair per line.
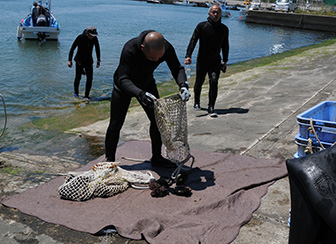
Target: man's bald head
x,y
153,46
154,41
215,12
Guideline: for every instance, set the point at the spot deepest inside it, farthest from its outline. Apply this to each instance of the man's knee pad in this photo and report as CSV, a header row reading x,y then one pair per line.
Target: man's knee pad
x,y
213,79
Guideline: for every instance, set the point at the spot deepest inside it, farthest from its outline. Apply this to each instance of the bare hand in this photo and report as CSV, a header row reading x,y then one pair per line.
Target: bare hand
x,y
69,64
187,61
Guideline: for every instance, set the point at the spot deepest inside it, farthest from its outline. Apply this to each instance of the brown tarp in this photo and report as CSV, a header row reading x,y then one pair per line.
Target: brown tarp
x,y
226,189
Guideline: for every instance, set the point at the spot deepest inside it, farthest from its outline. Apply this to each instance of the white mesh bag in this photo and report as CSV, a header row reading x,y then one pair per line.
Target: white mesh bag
x,y
103,180
171,119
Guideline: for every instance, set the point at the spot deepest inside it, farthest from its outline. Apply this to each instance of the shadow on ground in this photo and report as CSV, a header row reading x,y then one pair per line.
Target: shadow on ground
x,y
225,111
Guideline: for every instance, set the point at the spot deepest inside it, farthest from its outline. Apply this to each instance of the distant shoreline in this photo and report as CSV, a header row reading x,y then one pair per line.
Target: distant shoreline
x,y
202,3
268,17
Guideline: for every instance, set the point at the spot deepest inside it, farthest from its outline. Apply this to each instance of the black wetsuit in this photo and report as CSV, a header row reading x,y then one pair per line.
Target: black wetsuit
x,y
84,60
134,75
35,14
214,37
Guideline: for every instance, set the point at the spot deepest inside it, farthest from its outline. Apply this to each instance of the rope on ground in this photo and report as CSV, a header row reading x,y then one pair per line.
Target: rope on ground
x,y
5,124
281,122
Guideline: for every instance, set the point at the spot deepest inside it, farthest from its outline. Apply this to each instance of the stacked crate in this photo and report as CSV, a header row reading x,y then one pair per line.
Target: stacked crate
x,y
324,122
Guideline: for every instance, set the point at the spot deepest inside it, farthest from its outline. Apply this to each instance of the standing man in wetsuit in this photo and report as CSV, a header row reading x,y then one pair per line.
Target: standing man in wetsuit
x,y
83,58
134,78
214,37
35,12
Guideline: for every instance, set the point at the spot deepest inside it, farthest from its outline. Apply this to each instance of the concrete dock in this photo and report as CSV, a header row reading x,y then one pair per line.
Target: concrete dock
x,y
257,112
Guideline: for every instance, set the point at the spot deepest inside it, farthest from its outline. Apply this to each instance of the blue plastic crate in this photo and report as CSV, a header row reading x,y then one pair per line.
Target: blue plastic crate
x,y
324,122
303,143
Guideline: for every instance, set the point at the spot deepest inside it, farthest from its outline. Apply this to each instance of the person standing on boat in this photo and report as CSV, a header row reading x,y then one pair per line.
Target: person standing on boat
x,y
214,38
134,78
83,58
35,12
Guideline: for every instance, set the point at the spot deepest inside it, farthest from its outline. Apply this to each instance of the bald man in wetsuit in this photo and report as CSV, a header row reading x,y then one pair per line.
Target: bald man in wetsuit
x,y
134,78
214,38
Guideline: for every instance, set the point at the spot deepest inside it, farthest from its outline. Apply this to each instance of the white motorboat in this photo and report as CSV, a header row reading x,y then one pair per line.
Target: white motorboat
x,y
225,12
40,24
185,3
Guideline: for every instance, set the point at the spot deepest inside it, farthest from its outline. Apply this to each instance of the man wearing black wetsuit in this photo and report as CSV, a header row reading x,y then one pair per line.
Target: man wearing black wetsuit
x,y
214,37
83,58
35,12
134,78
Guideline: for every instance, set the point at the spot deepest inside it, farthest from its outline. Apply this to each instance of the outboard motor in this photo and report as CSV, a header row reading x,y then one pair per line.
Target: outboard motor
x,y
41,20
41,36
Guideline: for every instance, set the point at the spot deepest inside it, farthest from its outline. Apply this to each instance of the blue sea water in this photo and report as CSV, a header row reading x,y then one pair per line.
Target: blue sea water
x,y
36,82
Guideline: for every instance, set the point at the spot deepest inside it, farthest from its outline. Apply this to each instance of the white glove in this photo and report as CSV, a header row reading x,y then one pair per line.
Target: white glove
x,y
147,99
185,94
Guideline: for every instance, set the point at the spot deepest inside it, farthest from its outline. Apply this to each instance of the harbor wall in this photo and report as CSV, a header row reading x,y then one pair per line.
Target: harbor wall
x,y
302,21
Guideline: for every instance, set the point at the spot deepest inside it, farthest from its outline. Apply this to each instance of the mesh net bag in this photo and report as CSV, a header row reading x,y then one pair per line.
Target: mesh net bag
x,y
103,180
171,119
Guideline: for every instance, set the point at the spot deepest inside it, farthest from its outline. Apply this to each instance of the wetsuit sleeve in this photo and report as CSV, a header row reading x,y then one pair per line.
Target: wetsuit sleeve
x,y
97,47
124,81
175,66
72,49
193,40
225,46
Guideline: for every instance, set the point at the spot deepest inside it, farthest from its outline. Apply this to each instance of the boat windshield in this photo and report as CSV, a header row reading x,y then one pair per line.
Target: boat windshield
x,y
283,1
44,3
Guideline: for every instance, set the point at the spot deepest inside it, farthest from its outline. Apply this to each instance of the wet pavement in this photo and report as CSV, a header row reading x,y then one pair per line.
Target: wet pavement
x,y
257,112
